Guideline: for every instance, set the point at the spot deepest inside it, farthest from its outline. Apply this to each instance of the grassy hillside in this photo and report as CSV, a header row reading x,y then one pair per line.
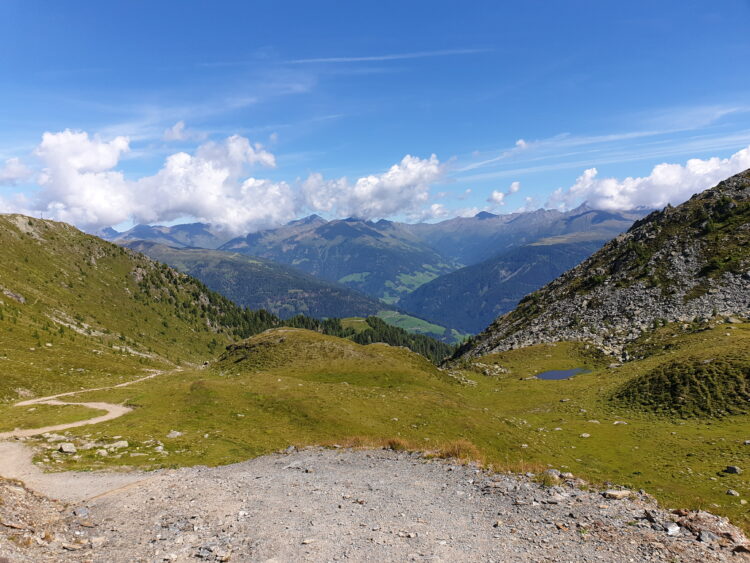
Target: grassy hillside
x,y
291,386
76,311
690,387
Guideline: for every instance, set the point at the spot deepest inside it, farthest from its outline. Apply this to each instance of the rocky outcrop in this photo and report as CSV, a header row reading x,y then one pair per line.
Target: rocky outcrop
x,y
680,264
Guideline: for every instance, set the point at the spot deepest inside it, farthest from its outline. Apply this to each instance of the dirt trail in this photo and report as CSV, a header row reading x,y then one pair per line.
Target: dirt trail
x,y
113,411
16,458
69,486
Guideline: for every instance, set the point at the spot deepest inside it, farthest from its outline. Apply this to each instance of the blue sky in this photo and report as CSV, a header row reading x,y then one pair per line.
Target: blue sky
x,y
529,95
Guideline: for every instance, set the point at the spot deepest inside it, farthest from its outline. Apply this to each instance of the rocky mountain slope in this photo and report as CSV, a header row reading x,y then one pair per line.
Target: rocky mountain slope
x,y
495,286
679,264
262,284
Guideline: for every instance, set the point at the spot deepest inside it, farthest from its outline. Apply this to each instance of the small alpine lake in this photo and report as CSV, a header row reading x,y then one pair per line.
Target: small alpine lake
x,y
561,373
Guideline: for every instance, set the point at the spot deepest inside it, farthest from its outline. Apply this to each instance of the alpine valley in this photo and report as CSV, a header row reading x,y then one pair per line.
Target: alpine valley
x,y
407,271
654,322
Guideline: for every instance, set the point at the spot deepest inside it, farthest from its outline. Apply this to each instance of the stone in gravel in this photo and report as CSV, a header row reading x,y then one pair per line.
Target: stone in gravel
x,y
307,541
103,453
672,529
733,469
617,494
554,473
67,448
732,492
619,422
747,442
174,434
118,445
585,435
707,536
222,555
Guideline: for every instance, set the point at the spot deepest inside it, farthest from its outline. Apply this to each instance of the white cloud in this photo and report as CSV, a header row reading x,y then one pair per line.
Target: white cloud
x,y
180,132
404,188
79,184
176,132
430,213
498,198
394,57
529,204
13,172
667,183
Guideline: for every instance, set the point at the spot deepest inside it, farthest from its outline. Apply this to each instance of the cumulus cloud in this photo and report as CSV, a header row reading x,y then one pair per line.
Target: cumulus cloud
x,y
13,172
404,188
498,198
79,184
667,183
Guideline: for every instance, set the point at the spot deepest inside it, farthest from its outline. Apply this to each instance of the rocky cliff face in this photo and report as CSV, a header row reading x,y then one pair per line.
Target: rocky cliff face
x,y
679,264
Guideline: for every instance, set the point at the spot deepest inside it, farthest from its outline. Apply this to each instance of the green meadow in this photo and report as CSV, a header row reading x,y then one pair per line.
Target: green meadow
x,y
296,387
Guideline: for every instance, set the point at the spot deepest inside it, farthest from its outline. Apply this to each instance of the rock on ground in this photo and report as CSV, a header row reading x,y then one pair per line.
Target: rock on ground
x,y
333,505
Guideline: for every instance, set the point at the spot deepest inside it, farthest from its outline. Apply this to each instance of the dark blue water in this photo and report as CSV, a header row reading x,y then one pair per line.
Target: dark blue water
x,y
561,373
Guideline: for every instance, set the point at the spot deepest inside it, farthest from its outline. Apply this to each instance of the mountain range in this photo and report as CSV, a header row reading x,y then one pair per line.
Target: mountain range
x,y
414,267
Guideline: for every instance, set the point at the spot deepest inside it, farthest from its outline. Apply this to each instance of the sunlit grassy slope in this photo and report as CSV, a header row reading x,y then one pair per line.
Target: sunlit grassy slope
x,y
290,386
78,313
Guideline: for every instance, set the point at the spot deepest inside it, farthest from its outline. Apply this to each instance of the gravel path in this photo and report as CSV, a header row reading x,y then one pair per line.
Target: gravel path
x,y
335,505
113,411
67,486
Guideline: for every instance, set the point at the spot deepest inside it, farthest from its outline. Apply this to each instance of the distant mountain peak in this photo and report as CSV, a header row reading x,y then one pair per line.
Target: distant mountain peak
x,y
485,215
107,233
309,220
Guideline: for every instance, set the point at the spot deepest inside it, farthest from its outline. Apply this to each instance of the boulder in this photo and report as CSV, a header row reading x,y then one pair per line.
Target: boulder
x,y
617,494
67,448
